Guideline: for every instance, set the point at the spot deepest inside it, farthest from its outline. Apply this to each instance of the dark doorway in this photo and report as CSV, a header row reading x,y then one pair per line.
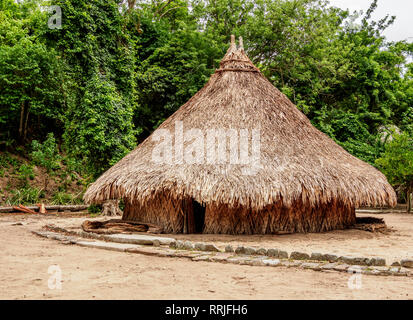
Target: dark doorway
x,y
199,216
194,216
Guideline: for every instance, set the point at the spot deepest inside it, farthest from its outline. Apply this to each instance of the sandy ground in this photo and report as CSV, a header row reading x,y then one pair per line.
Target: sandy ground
x,y
99,274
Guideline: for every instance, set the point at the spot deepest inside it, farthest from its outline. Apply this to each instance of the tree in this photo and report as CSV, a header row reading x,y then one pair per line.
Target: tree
x,y
174,60
47,155
100,94
100,130
397,164
30,76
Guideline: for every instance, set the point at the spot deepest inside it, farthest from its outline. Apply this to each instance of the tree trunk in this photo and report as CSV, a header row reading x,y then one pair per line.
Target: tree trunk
x,y
25,123
46,181
21,121
409,200
111,208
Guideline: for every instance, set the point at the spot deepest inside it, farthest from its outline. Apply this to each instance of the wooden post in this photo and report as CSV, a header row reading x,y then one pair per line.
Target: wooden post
x,y
188,211
191,219
185,212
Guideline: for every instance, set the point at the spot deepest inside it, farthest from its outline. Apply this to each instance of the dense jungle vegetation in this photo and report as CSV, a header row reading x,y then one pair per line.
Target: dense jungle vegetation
x,y
75,99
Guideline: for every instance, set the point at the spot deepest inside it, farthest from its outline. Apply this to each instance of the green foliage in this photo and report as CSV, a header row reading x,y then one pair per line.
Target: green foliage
x,y
397,161
94,209
25,173
46,154
101,95
25,195
117,69
174,60
63,198
30,74
100,131
6,160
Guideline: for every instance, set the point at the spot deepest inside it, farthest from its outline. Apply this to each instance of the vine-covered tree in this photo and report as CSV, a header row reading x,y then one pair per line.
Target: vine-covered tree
x,y
397,164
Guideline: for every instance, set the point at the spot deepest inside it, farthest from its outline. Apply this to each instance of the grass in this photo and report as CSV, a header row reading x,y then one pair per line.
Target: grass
x,y
6,160
66,198
26,183
26,195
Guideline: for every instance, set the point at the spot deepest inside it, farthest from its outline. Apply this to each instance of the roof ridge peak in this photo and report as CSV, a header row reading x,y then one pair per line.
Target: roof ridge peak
x,y
236,59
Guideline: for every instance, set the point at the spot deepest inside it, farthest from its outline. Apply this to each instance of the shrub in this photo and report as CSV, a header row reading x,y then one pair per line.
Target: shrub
x,y
46,154
24,173
66,198
26,195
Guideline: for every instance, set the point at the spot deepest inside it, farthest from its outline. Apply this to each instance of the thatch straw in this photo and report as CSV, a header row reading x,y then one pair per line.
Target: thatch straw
x,y
300,167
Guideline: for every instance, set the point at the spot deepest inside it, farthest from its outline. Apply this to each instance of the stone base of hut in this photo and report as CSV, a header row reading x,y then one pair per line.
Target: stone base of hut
x,y
172,216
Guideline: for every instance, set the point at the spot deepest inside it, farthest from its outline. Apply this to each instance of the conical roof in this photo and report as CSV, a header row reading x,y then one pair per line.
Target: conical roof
x,y
290,158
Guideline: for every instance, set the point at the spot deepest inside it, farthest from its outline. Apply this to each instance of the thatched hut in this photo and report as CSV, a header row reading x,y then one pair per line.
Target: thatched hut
x,y
240,158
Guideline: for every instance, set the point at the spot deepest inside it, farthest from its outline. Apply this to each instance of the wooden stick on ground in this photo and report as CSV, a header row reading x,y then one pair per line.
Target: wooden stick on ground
x,y
23,209
42,208
28,210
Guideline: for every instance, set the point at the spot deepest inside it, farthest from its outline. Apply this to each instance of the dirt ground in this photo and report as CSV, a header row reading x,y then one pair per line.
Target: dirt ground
x,y
99,274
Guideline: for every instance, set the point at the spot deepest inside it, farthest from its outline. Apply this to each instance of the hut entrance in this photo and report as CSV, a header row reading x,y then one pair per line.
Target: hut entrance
x,y
199,216
194,216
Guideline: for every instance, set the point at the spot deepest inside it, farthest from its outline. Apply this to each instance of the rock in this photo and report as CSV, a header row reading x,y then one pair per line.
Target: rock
x,y
354,261
394,270
356,269
220,257
299,256
199,246
365,261
211,247
282,254
330,257
407,263
344,259
271,262
245,261
377,262
396,264
107,245
381,268
250,251
262,251
240,250
156,243
255,262
311,265
201,258
136,239
328,266
179,244
234,260
229,248
272,252
317,256
291,263
341,267
371,271
188,245
172,245
403,271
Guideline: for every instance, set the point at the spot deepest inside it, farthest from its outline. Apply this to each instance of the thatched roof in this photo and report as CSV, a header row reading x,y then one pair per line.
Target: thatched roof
x,y
297,161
